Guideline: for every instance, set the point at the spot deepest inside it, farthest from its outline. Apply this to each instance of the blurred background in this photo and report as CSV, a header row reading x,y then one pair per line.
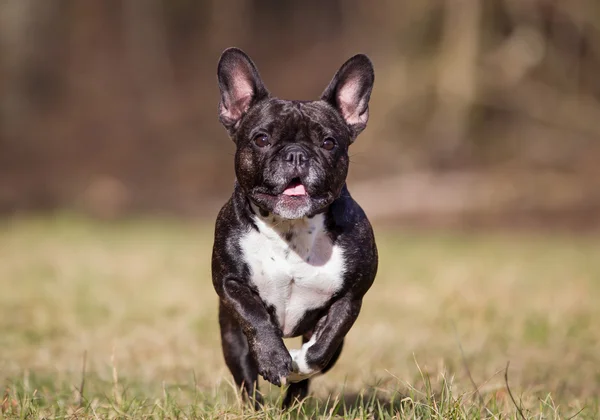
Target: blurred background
x,y
484,126
485,112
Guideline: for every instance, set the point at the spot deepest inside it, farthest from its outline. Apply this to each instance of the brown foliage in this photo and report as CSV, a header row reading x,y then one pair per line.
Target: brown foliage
x,y
110,107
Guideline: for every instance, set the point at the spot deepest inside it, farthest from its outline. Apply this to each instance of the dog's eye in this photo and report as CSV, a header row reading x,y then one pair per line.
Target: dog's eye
x,y
328,143
261,140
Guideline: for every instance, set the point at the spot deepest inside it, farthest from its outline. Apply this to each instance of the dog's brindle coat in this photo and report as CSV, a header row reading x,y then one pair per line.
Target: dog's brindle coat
x,y
294,254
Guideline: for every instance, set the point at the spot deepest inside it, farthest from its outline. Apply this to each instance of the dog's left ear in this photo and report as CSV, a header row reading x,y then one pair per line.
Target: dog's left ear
x,y
240,86
350,90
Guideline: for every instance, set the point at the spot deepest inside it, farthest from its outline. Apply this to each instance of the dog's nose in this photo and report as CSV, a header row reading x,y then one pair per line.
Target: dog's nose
x,y
295,155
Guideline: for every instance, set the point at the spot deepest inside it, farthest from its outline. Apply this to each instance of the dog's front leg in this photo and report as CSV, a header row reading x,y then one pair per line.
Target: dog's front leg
x,y
327,337
264,337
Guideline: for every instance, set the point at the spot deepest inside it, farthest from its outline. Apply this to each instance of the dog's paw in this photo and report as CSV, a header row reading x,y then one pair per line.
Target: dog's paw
x,y
275,366
300,368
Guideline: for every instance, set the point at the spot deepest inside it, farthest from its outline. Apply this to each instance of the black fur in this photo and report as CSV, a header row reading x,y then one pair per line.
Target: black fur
x,y
251,337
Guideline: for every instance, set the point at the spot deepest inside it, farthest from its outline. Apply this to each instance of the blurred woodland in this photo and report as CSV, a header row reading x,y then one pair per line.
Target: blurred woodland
x,y
484,111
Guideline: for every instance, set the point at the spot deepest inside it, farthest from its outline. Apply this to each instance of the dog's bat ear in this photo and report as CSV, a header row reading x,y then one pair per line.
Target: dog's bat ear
x,y
240,85
350,90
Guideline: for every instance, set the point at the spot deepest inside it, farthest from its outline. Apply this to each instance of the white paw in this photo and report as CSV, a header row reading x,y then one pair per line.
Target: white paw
x,y
300,369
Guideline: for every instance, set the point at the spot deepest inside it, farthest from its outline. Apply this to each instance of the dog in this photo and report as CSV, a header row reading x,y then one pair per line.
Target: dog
x,y
293,253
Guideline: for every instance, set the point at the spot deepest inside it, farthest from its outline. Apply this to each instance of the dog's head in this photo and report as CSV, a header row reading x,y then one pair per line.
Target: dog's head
x,y
292,156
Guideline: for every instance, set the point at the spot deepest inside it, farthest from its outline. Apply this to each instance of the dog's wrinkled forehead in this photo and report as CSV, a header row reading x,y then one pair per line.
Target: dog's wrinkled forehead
x,y
292,120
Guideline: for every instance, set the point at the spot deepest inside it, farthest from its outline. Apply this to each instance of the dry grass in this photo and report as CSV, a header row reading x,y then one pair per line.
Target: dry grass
x,y
136,298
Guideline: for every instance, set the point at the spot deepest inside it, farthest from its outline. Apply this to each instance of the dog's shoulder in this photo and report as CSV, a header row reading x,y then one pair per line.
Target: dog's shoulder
x,y
352,231
232,224
347,219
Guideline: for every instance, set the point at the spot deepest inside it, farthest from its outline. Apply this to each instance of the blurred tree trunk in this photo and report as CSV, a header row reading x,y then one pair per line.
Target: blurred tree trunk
x,y
521,51
456,78
26,48
148,54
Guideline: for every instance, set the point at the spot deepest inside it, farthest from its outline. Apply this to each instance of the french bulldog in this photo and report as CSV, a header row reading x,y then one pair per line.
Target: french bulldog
x,y
293,253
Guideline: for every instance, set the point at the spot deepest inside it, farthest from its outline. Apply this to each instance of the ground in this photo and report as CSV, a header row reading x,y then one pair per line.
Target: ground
x,y
127,310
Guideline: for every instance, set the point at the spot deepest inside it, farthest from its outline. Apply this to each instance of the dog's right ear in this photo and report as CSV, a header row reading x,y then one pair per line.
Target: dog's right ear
x,y
240,85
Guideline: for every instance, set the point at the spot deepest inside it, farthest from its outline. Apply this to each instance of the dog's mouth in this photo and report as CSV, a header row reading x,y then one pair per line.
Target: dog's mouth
x,y
292,201
295,189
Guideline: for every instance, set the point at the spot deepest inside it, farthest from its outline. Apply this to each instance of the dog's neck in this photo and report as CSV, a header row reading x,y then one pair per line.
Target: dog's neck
x,y
282,224
300,234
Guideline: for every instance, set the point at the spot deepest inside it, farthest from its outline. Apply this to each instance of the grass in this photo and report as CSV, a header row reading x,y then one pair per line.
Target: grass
x,y
128,309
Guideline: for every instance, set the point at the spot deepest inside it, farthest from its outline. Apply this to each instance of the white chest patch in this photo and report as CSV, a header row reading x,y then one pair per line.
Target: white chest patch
x,y
294,266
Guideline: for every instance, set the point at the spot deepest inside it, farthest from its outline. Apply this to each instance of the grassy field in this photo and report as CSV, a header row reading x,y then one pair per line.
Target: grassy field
x,y
127,310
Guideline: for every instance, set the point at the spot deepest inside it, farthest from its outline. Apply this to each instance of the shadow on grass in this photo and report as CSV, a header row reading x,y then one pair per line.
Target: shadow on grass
x,y
373,400
373,403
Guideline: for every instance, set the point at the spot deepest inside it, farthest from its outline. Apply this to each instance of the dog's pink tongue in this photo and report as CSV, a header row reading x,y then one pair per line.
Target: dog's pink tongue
x,y
295,190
